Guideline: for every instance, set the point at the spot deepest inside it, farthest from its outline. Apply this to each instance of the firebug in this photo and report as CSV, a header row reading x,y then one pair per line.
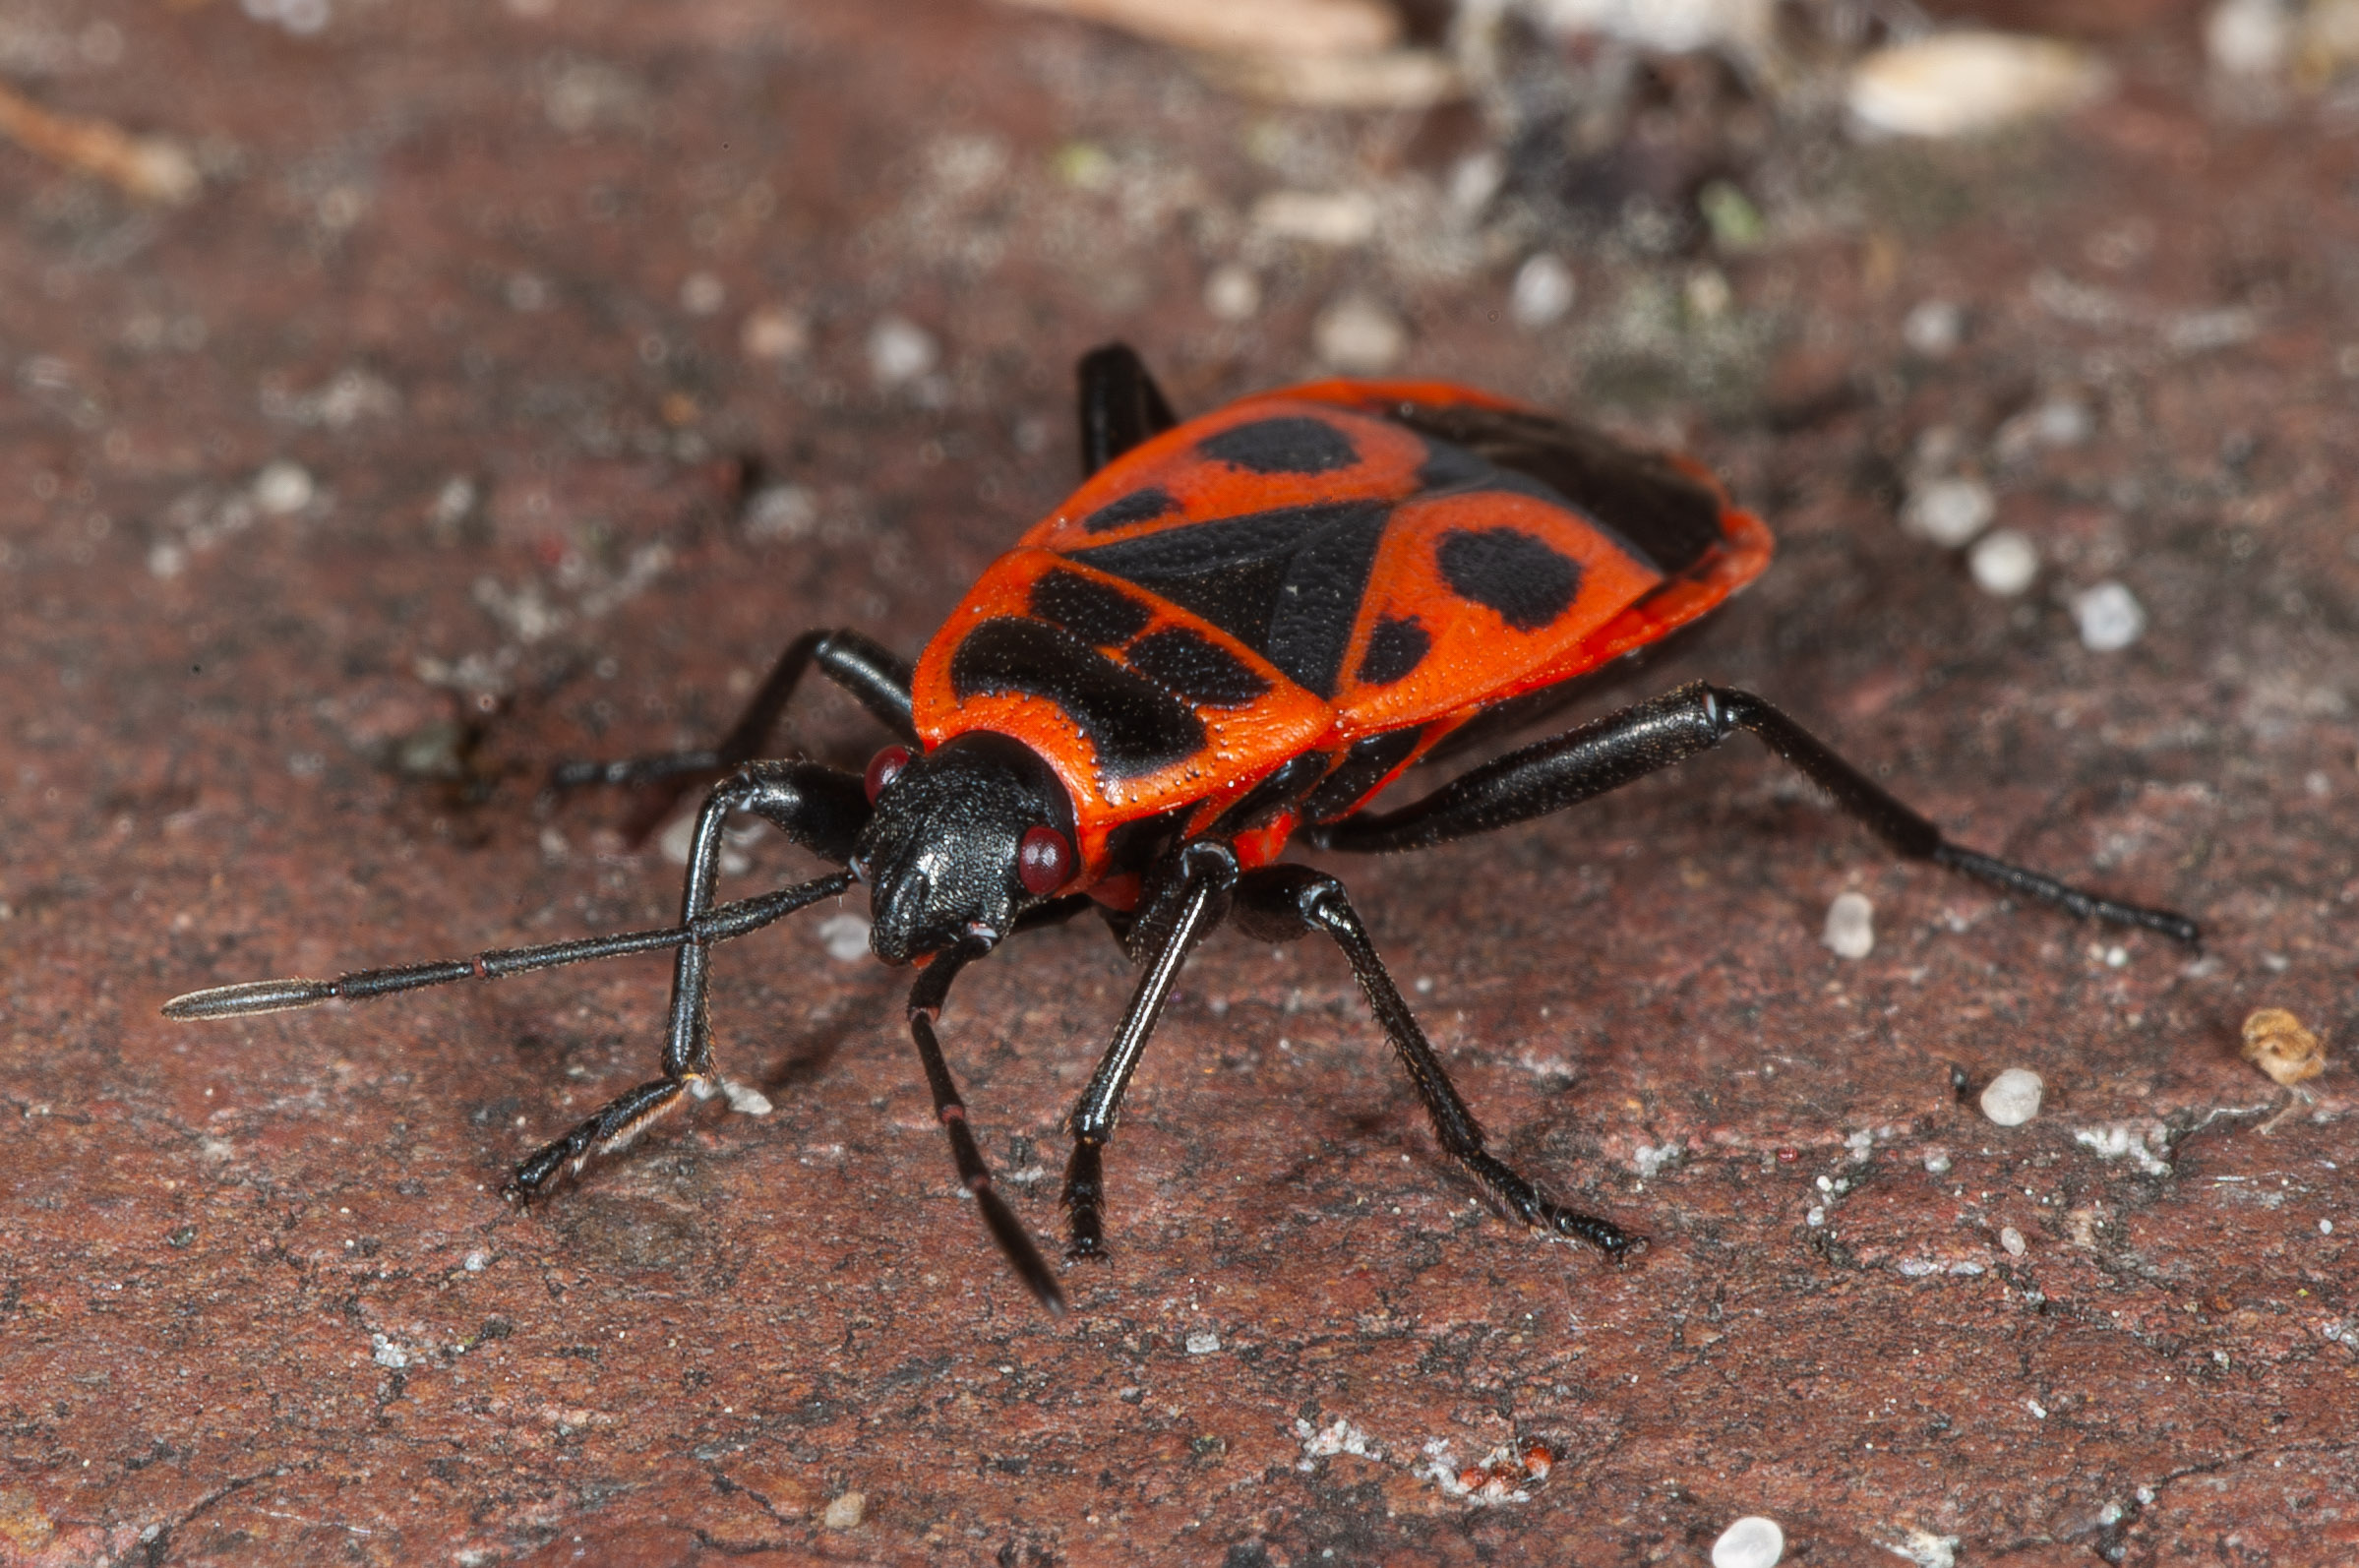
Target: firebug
x,y
1233,637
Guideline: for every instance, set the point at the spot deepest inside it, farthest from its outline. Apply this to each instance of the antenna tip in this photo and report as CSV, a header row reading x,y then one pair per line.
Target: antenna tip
x,y
250,998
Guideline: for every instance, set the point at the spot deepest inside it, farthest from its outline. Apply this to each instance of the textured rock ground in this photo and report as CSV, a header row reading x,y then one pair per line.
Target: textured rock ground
x,y
517,290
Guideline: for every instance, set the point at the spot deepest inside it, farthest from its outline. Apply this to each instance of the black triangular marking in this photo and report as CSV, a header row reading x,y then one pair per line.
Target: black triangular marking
x,y
1287,583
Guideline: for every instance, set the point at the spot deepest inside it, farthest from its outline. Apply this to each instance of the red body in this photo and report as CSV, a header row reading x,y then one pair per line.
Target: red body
x,y
1345,569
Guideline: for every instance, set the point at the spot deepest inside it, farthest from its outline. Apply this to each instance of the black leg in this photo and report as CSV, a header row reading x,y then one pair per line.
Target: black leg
x,y
871,673
816,805
1281,902
1194,898
1611,751
926,999
1120,405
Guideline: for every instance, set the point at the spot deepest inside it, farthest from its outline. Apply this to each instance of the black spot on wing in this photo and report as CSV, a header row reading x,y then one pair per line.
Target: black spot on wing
x,y
1395,647
1293,444
1362,768
1194,667
1664,517
1136,727
1527,581
1286,582
1092,611
1141,506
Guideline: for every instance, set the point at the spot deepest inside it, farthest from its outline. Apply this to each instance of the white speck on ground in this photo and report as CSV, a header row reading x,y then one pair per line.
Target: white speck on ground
x,y
680,835
2013,1240
384,1352
781,512
1339,218
1233,293
1338,1437
773,332
2013,1097
899,352
1203,1342
702,294
282,488
2144,1144
1967,80
845,936
745,1098
1926,1549
2004,563
1751,1542
1358,337
1850,925
1948,513
1937,1161
2110,617
1934,329
1543,293
1653,1161
846,1512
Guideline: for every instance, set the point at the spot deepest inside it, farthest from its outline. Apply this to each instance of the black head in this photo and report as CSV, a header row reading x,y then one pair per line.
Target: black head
x,y
963,840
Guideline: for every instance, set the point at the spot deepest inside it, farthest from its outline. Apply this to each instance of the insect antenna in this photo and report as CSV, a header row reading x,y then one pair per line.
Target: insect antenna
x,y
719,924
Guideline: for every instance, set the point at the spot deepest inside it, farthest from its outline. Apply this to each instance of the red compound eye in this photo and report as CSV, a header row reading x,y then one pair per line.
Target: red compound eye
x,y
884,768
1043,862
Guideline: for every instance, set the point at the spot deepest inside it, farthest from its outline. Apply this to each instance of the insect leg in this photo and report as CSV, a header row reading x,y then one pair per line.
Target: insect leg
x,y
1611,751
871,673
1120,405
1198,900
818,807
1281,902
926,999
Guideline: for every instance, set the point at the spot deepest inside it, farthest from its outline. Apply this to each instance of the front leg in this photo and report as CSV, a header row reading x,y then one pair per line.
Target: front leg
x,y
818,807
1189,896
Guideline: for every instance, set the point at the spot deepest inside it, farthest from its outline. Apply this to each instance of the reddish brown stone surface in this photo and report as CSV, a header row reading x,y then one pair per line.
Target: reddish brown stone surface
x,y
258,1298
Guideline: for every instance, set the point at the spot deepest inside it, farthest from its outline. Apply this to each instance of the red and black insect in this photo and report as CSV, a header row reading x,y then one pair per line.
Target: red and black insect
x,y
1235,634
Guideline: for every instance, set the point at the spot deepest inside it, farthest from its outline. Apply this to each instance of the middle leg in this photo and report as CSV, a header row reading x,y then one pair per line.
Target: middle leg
x,y
1281,902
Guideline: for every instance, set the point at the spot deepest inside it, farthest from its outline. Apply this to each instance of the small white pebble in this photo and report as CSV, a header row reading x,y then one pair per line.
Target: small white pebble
x,y
846,1512
2110,617
1950,512
2013,1097
773,332
2004,563
1543,291
2036,1409
745,1099
1203,1342
282,488
1934,329
2013,1240
1340,218
1751,1542
2250,38
166,560
845,936
1358,337
1850,925
900,351
1937,1161
476,1261
781,512
1816,1217
702,294
2326,1227
1233,293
